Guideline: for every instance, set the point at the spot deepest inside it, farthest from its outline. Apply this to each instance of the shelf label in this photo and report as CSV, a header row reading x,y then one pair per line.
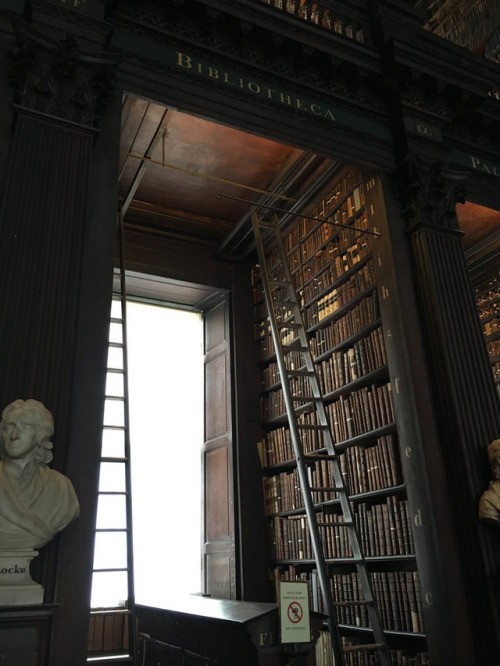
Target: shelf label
x,y
294,613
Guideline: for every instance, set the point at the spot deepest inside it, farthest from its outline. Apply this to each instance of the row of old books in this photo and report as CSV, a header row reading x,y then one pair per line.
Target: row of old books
x,y
488,291
282,493
397,592
364,469
333,258
276,447
263,330
399,602
323,235
398,596
491,326
273,402
361,411
363,657
369,468
364,313
494,347
323,16
347,365
294,360
372,466
328,241
349,186
488,305
496,370
490,308
383,528
324,655
336,298
289,538
340,329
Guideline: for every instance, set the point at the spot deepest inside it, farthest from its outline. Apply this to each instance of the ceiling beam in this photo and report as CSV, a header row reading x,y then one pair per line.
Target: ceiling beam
x,y
157,137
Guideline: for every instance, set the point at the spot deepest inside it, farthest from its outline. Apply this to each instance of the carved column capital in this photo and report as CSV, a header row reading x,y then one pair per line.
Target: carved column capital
x,y
428,193
59,80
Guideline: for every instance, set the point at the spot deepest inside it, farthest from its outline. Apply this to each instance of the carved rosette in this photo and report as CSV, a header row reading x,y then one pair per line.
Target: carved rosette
x,y
428,193
58,80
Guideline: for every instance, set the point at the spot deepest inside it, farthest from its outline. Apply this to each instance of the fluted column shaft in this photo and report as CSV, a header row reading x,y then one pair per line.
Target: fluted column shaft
x,y
467,408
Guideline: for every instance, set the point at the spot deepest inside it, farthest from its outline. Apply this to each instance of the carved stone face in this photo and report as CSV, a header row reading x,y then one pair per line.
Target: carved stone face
x,y
20,437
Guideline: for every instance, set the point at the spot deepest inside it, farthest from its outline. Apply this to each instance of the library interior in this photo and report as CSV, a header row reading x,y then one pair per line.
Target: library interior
x,y
251,260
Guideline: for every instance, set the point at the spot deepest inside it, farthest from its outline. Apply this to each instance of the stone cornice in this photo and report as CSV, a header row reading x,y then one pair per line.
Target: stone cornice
x,y
219,22
415,76
448,62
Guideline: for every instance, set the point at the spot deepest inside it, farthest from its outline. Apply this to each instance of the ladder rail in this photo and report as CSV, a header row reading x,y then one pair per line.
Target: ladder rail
x,y
128,471
310,374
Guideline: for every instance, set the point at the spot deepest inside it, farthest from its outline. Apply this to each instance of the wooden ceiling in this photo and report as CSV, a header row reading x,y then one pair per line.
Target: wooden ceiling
x,y
188,176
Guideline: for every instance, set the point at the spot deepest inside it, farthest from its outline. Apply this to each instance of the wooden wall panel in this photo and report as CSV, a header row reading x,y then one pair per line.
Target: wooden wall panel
x,y
217,474
219,521
216,416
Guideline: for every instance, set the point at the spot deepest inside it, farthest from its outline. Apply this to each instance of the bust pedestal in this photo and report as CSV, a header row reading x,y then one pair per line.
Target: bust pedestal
x,y
16,585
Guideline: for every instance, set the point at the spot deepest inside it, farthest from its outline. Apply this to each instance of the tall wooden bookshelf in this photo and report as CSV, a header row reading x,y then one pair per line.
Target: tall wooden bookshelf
x,y
487,294
335,278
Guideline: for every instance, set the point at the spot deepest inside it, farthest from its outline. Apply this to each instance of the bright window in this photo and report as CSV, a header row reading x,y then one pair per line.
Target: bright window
x,y
165,380
165,367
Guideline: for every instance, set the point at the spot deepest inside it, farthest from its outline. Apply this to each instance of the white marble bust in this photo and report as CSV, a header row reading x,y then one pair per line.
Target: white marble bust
x,y
489,503
36,502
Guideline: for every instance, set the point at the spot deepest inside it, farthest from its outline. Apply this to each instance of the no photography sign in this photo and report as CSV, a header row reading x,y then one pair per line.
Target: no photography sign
x,y
294,613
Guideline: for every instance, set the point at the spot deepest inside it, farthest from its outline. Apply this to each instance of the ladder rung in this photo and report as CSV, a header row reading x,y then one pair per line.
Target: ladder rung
x,y
294,340
359,602
293,348
289,324
322,488
307,398
319,456
365,646
284,304
274,284
300,373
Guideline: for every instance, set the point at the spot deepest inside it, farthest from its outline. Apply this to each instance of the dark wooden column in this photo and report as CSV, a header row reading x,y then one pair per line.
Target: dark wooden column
x,y
57,231
466,403
443,599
